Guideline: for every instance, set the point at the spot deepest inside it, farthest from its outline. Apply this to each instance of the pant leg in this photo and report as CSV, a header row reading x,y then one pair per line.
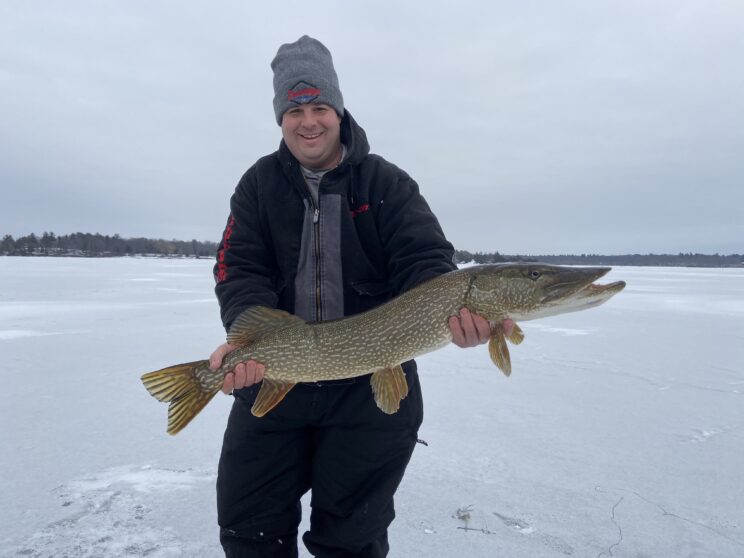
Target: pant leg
x,y
360,457
263,472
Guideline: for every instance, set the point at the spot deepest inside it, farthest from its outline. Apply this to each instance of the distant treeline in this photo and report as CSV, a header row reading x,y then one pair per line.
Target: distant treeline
x,y
678,260
98,245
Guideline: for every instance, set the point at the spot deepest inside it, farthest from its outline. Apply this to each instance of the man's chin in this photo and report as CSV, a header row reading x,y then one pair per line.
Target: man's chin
x,y
314,162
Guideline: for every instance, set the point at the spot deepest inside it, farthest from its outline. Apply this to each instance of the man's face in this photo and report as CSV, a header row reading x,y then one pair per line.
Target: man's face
x,y
313,134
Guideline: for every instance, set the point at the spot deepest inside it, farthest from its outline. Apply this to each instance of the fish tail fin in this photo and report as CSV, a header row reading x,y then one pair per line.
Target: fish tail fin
x,y
180,386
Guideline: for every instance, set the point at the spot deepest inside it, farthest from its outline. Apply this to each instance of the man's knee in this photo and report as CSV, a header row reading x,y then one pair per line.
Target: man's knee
x,y
258,544
258,532
361,534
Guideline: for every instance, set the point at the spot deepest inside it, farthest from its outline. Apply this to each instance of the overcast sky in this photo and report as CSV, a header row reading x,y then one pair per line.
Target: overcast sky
x,y
532,127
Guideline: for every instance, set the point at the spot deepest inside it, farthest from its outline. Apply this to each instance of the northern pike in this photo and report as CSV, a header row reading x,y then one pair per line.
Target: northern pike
x,y
377,341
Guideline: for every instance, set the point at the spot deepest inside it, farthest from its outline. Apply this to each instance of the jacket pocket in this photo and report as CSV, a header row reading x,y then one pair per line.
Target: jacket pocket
x,y
367,295
372,288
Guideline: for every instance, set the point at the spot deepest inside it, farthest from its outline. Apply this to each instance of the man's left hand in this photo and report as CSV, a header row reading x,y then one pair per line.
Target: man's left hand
x,y
470,330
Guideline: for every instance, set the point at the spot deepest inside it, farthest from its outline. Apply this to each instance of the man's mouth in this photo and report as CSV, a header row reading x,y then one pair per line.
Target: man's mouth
x,y
310,136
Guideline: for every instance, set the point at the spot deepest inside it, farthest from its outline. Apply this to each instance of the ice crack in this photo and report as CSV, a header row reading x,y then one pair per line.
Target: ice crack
x,y
619,531
665,513
686,520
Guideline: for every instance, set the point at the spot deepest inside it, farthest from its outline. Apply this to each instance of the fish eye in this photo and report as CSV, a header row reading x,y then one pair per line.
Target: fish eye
x,y
534,274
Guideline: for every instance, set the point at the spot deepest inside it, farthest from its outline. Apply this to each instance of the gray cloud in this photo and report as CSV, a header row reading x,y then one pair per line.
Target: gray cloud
x,y
534,127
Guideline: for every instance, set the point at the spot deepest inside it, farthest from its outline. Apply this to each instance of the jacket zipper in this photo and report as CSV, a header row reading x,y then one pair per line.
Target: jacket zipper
x,y
316,224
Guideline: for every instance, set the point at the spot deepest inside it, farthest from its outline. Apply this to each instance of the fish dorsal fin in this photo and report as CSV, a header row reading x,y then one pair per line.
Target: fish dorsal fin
x,y
390,387
498,350
270,395
258,321
517,335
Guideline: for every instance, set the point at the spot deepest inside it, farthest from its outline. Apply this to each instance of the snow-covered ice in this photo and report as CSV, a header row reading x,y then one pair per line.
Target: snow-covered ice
x,y
620,432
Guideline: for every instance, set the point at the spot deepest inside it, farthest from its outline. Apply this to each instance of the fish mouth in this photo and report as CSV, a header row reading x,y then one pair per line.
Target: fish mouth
x,y
595,289
572,282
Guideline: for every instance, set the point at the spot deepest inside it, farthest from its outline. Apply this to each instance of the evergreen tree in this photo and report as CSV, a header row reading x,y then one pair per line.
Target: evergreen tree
x,y
7,245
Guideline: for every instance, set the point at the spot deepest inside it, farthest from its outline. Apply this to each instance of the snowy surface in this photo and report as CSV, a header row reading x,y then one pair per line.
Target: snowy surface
x,y
620,432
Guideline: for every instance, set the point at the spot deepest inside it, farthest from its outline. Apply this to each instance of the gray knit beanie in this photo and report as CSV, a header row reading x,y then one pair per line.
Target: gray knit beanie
x,y
303,73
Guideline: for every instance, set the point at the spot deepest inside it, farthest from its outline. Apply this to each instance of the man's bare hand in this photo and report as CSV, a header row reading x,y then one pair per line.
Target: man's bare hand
x,y
243,375
470,330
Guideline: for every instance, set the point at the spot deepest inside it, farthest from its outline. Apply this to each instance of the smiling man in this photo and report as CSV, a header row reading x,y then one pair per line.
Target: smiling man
x,y
322,229
312,133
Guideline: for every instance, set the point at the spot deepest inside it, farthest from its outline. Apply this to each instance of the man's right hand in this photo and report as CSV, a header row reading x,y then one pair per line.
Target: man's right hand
x,y
243,375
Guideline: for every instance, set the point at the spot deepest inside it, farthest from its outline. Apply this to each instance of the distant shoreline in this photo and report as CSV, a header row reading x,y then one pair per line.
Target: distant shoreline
x,y
631,260
87,245
637,260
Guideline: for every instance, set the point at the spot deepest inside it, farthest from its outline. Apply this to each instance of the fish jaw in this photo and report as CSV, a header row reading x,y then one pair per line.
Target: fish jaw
x,y
590,296
526,291
569,281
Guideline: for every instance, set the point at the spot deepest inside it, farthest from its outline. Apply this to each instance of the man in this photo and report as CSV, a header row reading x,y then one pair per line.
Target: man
x,y
323,229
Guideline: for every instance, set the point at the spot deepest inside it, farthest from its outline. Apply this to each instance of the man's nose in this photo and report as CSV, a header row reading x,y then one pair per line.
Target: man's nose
x,y
308,118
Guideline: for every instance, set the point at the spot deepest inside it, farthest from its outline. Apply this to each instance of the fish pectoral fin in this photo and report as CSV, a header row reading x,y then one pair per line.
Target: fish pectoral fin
x,y
499,351
258,321
390,387
517,335
270,395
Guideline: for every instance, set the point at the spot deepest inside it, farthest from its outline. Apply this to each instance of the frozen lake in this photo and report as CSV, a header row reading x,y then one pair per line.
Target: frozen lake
x,y
620,432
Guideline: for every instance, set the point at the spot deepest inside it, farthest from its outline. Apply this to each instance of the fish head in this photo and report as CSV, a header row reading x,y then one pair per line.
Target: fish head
x,y
526,291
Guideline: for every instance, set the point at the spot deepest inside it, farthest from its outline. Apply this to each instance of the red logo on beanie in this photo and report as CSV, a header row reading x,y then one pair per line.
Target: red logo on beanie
x,y
303,93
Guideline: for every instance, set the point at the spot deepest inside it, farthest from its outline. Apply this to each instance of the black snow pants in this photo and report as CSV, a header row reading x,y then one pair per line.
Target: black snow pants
x,y
329,438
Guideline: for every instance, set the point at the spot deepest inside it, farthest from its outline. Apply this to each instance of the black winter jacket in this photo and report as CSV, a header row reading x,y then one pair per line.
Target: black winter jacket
x,y
389,239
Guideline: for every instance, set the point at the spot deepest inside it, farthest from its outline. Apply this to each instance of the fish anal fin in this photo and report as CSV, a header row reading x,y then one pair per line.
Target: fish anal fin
x,y
499,352
517,335
390,387
270,395
258,321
